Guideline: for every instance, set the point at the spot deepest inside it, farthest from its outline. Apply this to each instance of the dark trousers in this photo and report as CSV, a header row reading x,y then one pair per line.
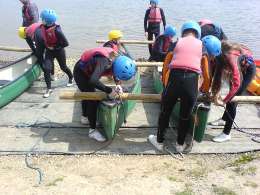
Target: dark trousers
x,y
231,107
50,55
150,38
89,108
182,85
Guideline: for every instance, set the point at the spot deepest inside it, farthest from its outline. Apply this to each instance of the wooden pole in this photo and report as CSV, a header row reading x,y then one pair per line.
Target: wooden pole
x,y
137,42
148,64
72,95
5,48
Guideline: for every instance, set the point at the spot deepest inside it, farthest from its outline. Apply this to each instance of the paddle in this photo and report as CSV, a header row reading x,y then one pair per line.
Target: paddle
x,y
73,95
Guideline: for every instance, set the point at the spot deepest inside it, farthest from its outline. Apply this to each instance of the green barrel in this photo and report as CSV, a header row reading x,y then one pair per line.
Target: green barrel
x,y
201,121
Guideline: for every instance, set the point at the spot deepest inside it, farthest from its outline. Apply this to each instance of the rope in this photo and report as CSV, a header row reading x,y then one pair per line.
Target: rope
x,y
254,138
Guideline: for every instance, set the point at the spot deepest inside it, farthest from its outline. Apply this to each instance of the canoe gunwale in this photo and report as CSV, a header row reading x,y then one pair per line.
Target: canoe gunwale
x,y
15,62
13,81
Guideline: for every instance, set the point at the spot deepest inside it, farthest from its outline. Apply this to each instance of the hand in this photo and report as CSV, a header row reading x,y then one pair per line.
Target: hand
x,y
119,89
113,95
51,48
218,101
146,35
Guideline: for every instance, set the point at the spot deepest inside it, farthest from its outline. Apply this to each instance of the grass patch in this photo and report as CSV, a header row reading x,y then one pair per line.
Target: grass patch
x,y
186,191
223,191
245,171
171,178
54,183
243,159
198,172
251,184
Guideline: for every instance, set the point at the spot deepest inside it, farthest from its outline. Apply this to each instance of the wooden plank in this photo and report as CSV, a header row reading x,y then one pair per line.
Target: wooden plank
x,y
144,97
138,42
148,64
16,49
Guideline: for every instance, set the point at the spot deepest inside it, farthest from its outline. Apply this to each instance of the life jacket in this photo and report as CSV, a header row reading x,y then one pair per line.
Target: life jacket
x,y
87,55
155,15
49,35
112,45
187,54
30,30
26,14
166,43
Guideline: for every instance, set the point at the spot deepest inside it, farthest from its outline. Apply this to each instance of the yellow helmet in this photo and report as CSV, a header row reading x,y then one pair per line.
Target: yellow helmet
x,y
115,34
21,32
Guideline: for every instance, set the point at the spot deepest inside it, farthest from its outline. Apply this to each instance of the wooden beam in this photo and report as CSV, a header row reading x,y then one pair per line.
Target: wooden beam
x,y
5,48
148,64
137,42
72,95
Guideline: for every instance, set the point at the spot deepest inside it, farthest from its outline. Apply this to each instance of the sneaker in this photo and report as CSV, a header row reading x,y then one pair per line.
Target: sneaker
x,y
47,93
53,78
222,138
84,120
153,140
179,148
70,83
218,122
96,135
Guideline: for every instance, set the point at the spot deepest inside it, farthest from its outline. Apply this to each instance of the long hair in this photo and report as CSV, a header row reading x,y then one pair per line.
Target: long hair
x,y
222,67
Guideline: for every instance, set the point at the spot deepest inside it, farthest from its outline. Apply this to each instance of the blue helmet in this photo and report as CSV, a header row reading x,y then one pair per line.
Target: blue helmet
x,y
124,68
154,1
212,44
48,16
191,25
170,31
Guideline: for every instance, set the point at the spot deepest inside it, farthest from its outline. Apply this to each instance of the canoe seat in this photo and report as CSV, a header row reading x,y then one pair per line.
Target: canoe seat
x,y
3,82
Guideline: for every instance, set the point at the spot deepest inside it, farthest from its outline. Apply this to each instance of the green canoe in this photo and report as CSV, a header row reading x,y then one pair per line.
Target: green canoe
x,y
200,113
111,114
16,77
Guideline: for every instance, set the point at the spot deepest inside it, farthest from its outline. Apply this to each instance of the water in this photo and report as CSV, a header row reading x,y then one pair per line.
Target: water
x,y
84,21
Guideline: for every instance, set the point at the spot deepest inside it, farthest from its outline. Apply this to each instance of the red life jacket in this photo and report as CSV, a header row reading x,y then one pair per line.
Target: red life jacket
x,y
30,30
49,35
87,55
112,45
204,22
26,12
155,15
187,54
166,43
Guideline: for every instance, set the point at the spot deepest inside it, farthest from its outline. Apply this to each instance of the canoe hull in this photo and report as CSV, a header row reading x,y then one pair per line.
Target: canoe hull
x,y
111,116
15,88
200,113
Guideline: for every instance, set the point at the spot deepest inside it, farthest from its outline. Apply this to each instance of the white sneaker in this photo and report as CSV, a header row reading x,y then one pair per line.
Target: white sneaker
x,y
218,122
222,138
47,93
179,148
153,140
53,78
96,135
70,83
84,120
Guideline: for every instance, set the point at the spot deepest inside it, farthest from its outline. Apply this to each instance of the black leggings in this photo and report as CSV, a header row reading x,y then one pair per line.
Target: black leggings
x,y
183,85
231,107
50,55
89,108
150,37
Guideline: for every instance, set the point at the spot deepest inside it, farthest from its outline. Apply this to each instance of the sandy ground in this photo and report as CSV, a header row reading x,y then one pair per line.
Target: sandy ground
x,y
196,174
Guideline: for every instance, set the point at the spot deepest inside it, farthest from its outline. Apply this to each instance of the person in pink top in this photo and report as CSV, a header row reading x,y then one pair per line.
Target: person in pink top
x,y
183,84
237,63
